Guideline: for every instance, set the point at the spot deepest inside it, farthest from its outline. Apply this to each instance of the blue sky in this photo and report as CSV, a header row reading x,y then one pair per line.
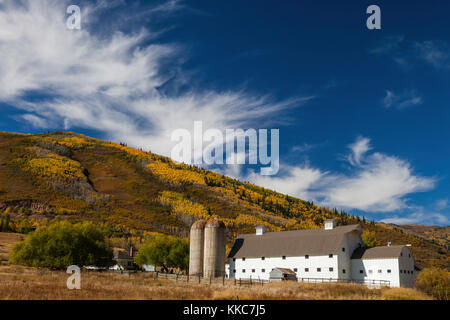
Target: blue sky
x,y
363,114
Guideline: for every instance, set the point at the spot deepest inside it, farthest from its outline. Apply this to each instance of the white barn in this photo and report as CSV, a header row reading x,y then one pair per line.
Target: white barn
x,y
329,254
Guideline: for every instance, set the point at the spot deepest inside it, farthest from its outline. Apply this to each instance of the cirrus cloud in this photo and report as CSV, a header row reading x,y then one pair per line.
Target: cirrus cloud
x,y
110,82
376,182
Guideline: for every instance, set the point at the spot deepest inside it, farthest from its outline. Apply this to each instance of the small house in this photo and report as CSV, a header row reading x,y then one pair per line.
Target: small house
x,y
124,260
282,274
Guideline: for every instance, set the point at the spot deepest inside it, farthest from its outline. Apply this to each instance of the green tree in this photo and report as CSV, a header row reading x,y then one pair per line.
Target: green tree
x,y
62,244
369,239
166,252
4,223
179,254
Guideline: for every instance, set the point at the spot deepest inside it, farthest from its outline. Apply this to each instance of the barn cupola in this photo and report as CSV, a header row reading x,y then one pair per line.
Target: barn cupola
x,y
260,230
330,224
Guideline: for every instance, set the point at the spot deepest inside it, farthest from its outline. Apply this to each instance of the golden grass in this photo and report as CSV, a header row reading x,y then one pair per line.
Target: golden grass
x,y
7,241
21,283
404,294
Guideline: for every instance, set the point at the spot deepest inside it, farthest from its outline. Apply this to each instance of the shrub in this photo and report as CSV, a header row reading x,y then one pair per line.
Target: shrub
x,y
434,281
164,251
62,244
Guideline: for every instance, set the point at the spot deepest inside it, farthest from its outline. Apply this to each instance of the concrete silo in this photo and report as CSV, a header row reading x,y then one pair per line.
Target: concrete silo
x,y
196,248
214,250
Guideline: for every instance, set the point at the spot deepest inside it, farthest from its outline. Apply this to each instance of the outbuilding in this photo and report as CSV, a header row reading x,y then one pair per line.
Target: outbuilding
x,y
282,274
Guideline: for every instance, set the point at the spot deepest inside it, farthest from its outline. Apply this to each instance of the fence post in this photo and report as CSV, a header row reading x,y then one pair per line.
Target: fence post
x,y
240,282
210,278
198,278
176,279
223,280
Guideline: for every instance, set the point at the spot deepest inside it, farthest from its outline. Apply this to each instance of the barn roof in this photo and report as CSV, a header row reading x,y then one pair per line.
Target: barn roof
x,y
291,243
285,271
378,252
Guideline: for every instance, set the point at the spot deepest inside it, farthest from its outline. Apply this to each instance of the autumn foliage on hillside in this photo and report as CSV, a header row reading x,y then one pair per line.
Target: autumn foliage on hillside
x,y
134,193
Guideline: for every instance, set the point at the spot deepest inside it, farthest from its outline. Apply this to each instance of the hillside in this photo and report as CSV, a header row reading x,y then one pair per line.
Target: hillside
x,y
436,234
65,175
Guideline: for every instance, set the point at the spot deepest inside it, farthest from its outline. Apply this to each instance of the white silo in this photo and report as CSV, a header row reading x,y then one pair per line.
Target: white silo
x,y
214,249
196,248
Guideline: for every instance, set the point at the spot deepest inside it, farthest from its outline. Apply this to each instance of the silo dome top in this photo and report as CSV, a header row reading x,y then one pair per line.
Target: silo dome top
x,y
199,224
215,223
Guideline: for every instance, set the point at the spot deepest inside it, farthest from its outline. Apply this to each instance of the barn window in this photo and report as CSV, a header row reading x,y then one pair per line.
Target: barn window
x,y
306,269
253,270
361,271
284,257
389,271
306,257
295,269
263,258
319,269
343,249
263,270
401,254
409,254
343,270
243,259
379,271
331,269
234,259
401,271
243,270
234,270
330,255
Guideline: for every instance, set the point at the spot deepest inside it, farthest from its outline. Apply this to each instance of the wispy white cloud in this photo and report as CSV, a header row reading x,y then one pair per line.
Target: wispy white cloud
x,y
419,218
406,52
379,184
436,53
110,83
358,148
441,204
376,182
403,100
300,181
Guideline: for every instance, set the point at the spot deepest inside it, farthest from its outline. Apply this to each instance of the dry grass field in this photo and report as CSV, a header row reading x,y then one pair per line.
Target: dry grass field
x,y
7,241
27,283
22,283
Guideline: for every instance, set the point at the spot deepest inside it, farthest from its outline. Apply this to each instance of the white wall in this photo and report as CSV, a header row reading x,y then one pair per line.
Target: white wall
x,y
398,277
350,243
371,268
299,263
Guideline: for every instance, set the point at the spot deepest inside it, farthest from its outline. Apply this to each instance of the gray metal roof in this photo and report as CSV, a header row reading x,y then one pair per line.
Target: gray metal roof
x,y
378,252
291,243
284,271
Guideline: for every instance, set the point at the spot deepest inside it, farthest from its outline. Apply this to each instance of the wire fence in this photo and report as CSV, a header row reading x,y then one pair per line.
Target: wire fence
x,y
259,282
368,282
